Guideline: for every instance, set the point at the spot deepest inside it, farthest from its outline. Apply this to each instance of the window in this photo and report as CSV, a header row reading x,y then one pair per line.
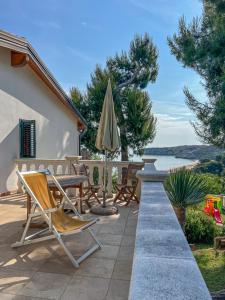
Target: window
x,y
27,138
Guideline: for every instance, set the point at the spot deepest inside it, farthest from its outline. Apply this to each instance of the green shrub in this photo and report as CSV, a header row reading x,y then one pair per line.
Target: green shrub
x,y
185,187
213,167
213,183
200,228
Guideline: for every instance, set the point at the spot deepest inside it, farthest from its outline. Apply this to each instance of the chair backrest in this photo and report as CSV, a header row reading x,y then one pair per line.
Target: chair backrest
x,y
38,184
81,169
131,173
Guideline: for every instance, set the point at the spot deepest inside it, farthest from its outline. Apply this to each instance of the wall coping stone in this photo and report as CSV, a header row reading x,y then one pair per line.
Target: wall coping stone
x,y
151,174
163,264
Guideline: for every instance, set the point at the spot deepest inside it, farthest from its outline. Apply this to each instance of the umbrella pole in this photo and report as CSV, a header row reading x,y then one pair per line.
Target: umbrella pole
x,y
104,184
103,209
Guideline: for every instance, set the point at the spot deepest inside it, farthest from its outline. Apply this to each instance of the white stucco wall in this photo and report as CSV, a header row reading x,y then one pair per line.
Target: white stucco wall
x,y
23,95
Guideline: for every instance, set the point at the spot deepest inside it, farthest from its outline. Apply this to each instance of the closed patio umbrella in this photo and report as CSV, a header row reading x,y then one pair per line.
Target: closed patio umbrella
x,y
108,136
108,140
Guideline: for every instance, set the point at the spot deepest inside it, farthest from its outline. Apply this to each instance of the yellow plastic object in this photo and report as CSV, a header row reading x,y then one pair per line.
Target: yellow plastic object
x,y
215,199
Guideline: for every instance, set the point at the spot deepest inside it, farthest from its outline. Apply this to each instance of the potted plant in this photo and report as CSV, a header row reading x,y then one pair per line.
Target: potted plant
x,y
184,187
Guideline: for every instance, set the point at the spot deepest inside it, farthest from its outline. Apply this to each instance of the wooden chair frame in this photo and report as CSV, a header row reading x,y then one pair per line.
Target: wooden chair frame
x,y
127,189
91,190
51,231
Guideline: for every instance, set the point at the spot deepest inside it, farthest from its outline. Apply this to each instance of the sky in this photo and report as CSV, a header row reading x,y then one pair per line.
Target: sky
x,y
73,36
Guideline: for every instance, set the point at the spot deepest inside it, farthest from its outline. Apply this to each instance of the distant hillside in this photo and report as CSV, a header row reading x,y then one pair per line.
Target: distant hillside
x,y
197,152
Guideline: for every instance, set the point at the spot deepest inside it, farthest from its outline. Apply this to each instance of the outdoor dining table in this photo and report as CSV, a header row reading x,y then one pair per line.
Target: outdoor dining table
x,y
70,181
66,182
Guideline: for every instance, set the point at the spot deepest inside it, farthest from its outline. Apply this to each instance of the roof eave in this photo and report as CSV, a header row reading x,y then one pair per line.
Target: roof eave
x,y
20,44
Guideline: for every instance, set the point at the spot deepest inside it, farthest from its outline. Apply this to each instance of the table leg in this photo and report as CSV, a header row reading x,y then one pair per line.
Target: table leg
x,y
80,206
32,225
28,205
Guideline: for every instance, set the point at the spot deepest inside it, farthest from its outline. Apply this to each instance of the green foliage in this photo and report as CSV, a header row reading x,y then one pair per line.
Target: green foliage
x,y
213,183
200,228
114,180
185,187
212,267
201,46
130,72
95,156
213,167
217,170
221,158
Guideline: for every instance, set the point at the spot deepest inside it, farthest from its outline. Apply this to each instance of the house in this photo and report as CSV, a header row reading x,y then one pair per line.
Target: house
x,y
37,118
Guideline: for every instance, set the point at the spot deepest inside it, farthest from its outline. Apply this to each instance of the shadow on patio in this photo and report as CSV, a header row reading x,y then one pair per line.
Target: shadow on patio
x,y
43,271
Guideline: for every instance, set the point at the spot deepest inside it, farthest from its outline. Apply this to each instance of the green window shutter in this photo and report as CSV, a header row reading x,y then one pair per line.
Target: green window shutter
x,y
27,138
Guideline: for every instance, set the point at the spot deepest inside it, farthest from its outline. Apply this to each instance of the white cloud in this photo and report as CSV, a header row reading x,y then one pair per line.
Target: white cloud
x,y
84,24
47,24
91,26
165,10
80,54
172,131
169,11
167,117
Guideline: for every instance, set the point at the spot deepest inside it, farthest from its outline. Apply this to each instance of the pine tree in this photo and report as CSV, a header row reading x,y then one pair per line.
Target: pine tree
x,y
130,74
201,47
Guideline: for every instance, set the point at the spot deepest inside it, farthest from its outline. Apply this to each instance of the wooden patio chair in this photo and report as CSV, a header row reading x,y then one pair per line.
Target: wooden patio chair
x,y
126,191
59,223
91,190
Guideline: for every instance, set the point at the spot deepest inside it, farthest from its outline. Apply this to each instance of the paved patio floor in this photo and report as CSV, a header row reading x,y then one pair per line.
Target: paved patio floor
x,y
43,271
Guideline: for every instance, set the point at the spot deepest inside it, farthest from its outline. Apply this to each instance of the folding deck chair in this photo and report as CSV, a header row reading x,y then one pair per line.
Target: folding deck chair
x,y
59,223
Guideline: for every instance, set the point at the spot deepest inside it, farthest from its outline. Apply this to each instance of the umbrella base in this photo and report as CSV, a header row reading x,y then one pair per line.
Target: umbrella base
x,y
107,210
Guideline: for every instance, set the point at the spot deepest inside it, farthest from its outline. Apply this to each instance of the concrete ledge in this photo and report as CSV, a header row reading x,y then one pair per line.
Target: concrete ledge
x,y
163,264
156,278
151,174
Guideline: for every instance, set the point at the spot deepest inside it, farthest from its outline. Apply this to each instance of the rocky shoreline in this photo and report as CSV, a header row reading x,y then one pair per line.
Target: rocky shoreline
x,y
194,152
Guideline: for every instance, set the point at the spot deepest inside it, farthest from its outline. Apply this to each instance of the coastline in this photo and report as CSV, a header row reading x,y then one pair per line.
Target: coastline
x,y
190,166
167,162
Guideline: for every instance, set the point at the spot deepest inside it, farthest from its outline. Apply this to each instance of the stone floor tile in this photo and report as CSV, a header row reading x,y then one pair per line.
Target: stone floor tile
x,y
130,230
107,251
86,288
124,212
133,214
126,253
128,240
76,248
96,267
131,222
46,285
12,281
55,276
10,235
112,229
60,265
28,260
110,239
122,270
118,290
6,254
18,297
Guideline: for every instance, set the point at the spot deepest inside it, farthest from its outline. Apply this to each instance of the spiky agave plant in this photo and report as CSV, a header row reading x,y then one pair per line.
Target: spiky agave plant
x,y
184,187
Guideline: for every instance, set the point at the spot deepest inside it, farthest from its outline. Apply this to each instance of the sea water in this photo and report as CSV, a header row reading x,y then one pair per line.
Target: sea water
x,y
165,162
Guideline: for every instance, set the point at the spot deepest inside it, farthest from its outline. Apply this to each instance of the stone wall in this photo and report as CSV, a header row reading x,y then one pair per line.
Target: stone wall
x,y
163,265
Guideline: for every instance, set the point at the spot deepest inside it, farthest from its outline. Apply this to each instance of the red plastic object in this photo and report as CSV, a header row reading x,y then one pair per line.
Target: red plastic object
x,y
207,210
209,207
217,217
